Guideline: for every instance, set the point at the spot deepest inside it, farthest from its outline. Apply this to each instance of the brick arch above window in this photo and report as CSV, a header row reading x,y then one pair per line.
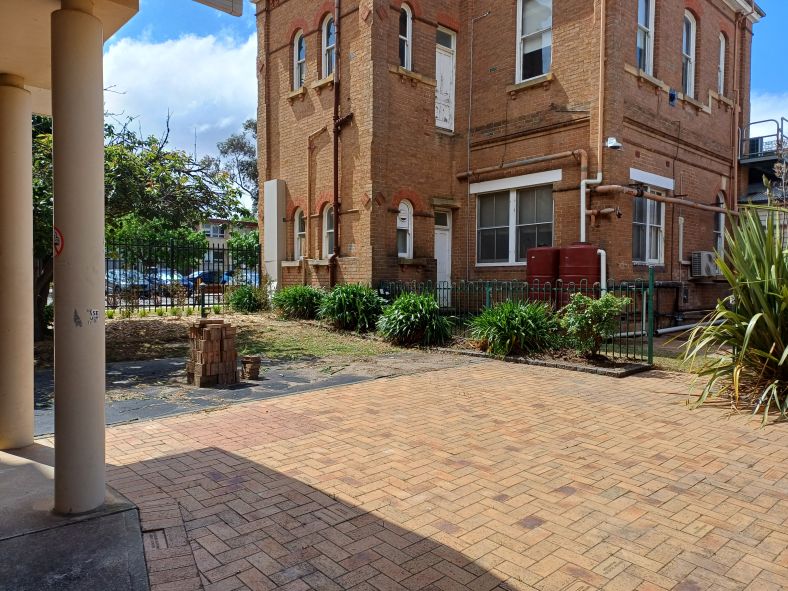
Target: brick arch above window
x,y
419,206
414,5
323,199
297,25
325,9
298,203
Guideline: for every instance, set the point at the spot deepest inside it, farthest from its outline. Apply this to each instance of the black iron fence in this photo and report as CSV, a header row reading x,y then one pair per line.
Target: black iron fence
x,y
163,276
633,339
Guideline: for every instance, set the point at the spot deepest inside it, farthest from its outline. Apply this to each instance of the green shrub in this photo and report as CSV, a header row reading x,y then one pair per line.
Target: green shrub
x,y
189,311
176,312
298,302
110,314
143,313
352,307
589,321
49,315
125,313
744,348
161,312
217,309
414,319
247,299
508,327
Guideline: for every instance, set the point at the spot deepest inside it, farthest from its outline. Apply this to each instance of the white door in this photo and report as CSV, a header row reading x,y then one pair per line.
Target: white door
x,y
443,256
445,74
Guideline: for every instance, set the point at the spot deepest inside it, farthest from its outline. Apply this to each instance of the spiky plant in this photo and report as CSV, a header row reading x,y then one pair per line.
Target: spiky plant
x,y
743,347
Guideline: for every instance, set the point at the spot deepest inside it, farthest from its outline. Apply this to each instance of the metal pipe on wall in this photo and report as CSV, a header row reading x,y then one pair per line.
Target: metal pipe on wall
x,y
309,190
332,271
607,189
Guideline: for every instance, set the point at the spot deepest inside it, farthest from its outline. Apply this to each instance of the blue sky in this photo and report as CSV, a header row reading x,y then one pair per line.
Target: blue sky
x,y
199,64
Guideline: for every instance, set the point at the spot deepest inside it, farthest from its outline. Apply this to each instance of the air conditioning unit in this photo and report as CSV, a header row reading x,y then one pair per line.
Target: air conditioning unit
x,y
704,264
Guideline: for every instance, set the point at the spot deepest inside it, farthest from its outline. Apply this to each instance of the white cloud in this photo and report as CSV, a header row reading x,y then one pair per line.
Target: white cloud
x,y
206,83
767,105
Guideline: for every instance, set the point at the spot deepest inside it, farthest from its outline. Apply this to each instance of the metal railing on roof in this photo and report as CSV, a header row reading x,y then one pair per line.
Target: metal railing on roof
x,y
760,146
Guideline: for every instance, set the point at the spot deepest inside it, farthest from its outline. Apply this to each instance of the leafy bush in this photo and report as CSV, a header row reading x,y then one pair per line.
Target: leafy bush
x,y
143,313
414,319
516,326
299,301
589,321
217,309
352,307
176,312
248,299
747,337
49,315
161,312
110,314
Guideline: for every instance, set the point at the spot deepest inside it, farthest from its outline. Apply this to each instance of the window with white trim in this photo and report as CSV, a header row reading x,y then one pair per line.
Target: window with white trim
x,y
329,46
511,222
300,235
645,36
648,229
406,37
214,230
534,38
688,55
328,231
405,230
299,60
719,226
721,65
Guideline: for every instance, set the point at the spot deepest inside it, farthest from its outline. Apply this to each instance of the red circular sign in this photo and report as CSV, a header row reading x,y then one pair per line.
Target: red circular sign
x,y
57,241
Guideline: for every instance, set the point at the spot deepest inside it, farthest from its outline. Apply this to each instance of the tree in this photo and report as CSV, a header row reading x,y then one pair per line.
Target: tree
x,y
244,248
163,188
238,158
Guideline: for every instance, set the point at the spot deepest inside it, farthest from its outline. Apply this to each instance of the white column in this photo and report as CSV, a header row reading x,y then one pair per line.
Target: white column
x,y
78,120
16,264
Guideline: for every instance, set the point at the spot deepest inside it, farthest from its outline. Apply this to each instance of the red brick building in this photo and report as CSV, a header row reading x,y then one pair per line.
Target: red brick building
x,y
367,143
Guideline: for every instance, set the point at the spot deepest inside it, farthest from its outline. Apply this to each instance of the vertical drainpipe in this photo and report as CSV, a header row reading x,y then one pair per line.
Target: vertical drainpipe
x,y
332,270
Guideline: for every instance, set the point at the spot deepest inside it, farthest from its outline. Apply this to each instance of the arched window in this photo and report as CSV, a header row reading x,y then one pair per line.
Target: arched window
x,y
406,37
299,60
721,65
329,46
688,55
300,235
719,226
534,38
645,36
328,231
405,230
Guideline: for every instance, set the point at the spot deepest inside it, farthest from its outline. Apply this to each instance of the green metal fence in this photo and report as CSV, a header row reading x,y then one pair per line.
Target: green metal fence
x,y
634,338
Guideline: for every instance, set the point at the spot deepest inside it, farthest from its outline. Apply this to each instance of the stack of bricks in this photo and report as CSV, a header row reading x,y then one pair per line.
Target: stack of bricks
x,y
212,360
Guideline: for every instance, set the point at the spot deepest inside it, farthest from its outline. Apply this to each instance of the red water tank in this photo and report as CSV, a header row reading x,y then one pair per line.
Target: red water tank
x,y
579,265
542,271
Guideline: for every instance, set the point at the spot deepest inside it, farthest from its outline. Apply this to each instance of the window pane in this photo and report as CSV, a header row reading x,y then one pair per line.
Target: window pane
x,y
486,211
445,39
644,13
687,36
330,243
502,209
526,238
537,54
301,223
403,23
486,252
654,243
301,49
639,209
537,15
403,51
544,235
544,204
502,244
330,219
331,35
526,206
641,50
441,218
402,242
638,243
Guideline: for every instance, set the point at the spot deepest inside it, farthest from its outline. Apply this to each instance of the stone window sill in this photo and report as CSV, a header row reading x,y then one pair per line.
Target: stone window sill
x,y
294,95
413,77
327,82
694,102
421,262
295,264
544,81
319,262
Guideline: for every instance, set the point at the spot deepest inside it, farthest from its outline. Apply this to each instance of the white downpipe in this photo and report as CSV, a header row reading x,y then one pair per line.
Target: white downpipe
x,y
584,202
602,271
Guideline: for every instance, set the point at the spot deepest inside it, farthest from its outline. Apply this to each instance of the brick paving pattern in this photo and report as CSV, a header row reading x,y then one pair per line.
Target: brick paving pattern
x,y
494,476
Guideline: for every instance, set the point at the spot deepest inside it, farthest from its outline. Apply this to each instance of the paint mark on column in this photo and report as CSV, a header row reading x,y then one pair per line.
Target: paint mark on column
x,y
93,316
77,319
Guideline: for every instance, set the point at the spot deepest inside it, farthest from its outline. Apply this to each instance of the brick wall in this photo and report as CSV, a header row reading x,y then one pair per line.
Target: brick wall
x,y
393,150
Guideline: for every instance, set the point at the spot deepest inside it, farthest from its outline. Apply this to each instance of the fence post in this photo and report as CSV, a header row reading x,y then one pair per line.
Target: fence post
x,y
202,301
651,315
487,295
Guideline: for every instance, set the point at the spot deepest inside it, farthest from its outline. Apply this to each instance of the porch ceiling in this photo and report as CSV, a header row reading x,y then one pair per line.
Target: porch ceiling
x,y
25,39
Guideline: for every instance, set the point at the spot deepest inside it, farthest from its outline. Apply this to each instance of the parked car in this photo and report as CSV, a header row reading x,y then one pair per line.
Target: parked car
x,y
162,280
242,277
210,278
126,282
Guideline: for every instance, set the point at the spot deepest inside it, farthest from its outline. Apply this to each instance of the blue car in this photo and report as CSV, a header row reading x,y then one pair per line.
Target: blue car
x,y
212,278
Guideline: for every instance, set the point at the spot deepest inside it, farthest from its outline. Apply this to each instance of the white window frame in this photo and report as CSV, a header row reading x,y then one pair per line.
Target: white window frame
x,y
719,227
408,38
649,224
405,223
212,230
327,251
299,237
721,65
299,65
521,42
688,54
329,51
648,31
439,47
512,224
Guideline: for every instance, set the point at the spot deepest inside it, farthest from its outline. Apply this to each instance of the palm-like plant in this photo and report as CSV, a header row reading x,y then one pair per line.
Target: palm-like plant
x,y
747,333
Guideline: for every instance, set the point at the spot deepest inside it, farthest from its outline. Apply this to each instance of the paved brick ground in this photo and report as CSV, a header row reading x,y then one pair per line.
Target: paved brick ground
x,y
495,476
